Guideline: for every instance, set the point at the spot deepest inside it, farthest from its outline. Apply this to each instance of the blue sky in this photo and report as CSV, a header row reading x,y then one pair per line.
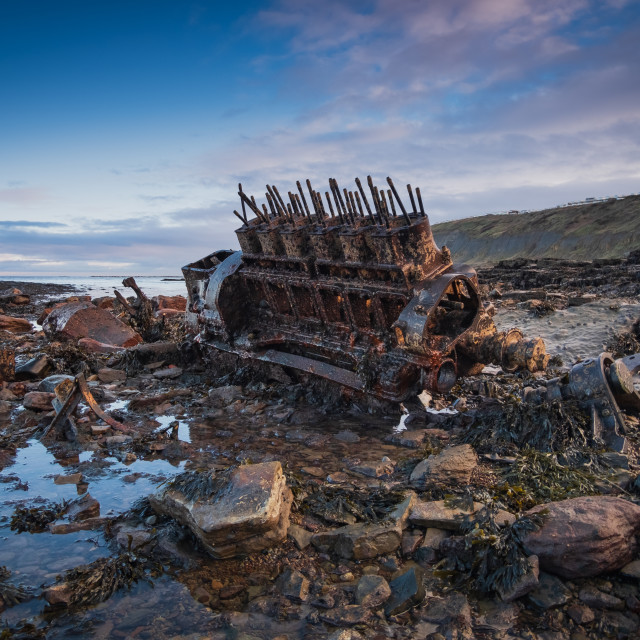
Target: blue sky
x,y
126,126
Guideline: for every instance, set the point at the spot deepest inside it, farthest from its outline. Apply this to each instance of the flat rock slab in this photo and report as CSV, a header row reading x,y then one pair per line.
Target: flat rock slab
x,y
585,536
407,590
361,541
77,320
250,514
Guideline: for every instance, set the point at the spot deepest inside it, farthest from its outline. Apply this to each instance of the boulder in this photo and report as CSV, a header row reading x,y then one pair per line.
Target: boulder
x,y
77,320
361,541
250,514
585,536
15,325
451,467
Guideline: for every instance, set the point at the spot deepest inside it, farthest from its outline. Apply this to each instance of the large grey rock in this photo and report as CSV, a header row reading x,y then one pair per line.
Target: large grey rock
x,y
50,383
249,515
585,536
361,541
453,466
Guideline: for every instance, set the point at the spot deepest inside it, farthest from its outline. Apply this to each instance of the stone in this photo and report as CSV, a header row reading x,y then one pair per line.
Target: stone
x,y
619,624
346,634
249,515
375,469
452,466
427,552
523,585
100,429
64,528
597,599
293,585
410,542
580,614
58,594
495,616
77,320
450,610
586,536
347,615
411,439
224,396
34,368
51,382
407,591
109,376
15,325
347,436
116,440
83,508
93,346
372,591
300,536
133,538
72,478
362,541
436,514
38,401
167,373
631,570
549,593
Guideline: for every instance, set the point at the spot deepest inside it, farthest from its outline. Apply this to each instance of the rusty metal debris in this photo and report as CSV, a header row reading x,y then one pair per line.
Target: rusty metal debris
x,y
351,288
7,364
602,385
68,395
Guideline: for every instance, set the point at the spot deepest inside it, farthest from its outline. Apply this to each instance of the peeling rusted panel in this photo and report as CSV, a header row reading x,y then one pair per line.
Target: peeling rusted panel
x,y
352,288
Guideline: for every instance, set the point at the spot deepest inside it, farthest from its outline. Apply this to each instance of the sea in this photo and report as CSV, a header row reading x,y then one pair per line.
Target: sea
x,y
97,286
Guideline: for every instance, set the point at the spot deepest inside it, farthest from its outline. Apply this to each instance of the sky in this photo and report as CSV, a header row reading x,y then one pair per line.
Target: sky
x,y
125,126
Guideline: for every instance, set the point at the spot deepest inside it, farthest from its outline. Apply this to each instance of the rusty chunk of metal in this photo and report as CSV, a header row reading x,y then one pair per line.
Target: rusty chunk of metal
x,y
7,364
361,295
602,385
68,395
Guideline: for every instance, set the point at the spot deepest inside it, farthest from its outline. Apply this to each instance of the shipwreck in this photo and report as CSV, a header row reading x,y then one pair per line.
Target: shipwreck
x,y
350,287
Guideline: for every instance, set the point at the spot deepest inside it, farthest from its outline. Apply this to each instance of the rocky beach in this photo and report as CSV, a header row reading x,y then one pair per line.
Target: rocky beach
x,y
149,489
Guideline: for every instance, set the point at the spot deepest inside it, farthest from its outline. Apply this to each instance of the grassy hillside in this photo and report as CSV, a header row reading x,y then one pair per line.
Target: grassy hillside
x,y
582,232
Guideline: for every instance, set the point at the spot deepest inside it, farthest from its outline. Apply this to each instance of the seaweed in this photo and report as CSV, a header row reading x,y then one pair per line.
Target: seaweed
x,y
96,582
342,506
625,343
492,557
201,483
548,426
36,519
542,478
10,594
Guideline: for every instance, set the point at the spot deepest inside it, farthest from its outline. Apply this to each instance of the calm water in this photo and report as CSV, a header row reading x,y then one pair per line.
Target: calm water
x,y
96,286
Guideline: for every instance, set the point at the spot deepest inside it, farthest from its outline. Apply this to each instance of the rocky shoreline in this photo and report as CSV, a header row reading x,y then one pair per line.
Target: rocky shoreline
x,y
264,504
